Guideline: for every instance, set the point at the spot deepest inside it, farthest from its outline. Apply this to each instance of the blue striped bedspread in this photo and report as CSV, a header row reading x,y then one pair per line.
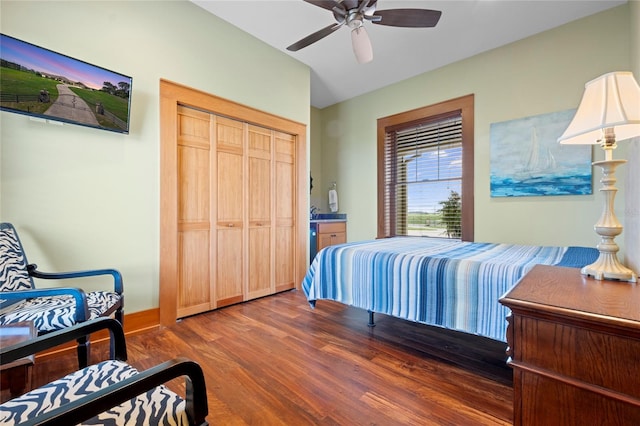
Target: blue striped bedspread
x,y
439,282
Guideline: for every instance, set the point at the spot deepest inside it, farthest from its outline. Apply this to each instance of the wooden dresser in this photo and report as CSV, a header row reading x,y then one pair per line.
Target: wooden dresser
x,y
574,346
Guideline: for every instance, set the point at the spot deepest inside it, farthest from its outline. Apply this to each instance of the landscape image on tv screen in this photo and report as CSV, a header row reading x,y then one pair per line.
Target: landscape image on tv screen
x,y
39,82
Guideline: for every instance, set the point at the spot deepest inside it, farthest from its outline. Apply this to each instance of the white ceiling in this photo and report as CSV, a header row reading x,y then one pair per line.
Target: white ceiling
x,y
466,28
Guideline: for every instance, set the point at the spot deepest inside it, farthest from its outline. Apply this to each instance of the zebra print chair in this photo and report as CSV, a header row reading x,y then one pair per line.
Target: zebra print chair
x,y
50,309
110,392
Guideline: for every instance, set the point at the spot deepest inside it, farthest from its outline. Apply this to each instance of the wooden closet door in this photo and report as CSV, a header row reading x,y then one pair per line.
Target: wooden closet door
x,y
285,211
222,208
194,287
229,207
260,247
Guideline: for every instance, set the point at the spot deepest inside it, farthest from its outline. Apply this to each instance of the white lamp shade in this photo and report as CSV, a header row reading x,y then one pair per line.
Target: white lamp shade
x,y
361,45
609,101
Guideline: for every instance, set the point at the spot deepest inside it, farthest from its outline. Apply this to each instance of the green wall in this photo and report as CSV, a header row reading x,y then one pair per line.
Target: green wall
x,y
84,198
632,189
540,74
318,193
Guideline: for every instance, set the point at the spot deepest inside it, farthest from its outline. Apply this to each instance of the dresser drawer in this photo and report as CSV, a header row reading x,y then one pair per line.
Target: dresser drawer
x,y
332,227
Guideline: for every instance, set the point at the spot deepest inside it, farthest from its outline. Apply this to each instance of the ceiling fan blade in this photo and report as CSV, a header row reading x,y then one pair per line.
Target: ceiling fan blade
x,y
350,4
312,38
412,18
363,4
325,4
372,3
361,45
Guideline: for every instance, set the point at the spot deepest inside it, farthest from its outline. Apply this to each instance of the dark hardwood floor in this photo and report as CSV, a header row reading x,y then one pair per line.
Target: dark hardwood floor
x,y
275,361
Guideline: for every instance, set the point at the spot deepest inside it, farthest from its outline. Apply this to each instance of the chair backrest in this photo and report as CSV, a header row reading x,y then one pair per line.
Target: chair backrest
x,y
13,262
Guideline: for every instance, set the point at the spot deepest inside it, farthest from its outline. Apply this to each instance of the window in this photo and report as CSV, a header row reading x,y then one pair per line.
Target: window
x,y
425,171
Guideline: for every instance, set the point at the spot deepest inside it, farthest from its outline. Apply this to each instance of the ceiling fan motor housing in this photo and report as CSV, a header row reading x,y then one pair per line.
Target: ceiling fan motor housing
x,y
355,19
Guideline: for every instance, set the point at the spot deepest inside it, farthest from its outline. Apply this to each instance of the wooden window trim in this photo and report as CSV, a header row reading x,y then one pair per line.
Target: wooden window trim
x,y
465,106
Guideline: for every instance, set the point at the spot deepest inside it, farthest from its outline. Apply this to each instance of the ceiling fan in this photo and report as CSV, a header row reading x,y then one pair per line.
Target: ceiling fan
x,y
353,13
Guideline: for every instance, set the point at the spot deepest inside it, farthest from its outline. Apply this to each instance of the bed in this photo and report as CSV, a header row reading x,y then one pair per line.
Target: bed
x,y
439,282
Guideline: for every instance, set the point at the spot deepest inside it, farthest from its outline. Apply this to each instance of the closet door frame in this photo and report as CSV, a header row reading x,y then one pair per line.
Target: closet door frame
x,y
172,95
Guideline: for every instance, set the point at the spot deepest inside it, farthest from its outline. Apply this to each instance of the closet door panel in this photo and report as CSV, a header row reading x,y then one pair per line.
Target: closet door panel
x,y
194,224
194,185
285,210
229,210
229,134
285,259
260,279
229,171
259,191
229,270
194,295
229,206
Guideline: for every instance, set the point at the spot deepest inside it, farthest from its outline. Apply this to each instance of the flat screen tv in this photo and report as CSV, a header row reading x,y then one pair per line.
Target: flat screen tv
x,y
38,82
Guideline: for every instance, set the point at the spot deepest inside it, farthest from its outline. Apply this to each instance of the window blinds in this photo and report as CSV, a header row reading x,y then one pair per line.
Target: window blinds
x,y
423,178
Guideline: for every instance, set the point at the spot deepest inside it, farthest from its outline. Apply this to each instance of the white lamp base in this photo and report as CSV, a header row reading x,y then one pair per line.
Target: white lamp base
x,y
607,266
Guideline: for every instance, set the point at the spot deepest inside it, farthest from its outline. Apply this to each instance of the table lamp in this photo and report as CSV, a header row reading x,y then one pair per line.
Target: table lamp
x,y
609,110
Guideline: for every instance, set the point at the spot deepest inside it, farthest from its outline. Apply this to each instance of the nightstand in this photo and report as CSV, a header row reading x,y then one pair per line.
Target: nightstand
x,y
574,346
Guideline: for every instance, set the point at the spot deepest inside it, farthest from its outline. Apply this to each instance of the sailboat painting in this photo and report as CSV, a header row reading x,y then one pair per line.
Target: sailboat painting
x,y
527,160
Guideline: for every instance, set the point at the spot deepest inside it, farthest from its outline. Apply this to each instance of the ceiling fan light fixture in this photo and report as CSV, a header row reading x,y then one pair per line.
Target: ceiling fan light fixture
x,y
361,45
354,13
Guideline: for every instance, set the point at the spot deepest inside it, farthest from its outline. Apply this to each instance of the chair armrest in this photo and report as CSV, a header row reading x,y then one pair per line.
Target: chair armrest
x,y
103,399
118,286
82,309
118,347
